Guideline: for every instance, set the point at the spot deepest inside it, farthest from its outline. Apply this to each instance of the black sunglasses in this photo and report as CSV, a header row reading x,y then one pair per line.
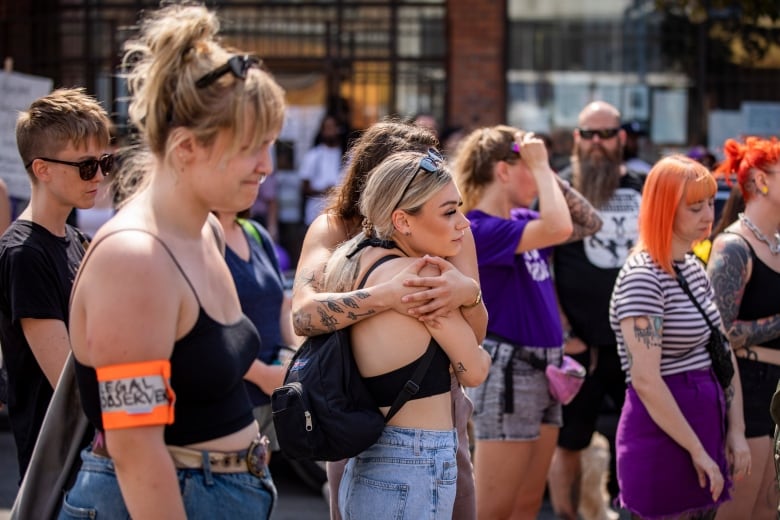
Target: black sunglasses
x,y
430,163
87,168
237,65
603,133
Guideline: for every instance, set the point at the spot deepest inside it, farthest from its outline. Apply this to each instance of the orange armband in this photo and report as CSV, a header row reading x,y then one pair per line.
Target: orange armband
x,y
136,394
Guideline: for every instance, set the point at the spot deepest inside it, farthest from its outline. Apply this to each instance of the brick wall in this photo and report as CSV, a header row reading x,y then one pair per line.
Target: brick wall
x,y
476,78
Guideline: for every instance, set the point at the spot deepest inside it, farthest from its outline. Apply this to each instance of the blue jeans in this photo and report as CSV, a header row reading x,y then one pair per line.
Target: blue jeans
x,y
206,495
407,474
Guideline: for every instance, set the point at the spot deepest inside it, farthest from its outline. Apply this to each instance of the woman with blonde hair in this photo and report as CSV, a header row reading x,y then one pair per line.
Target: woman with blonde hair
x,y
161,345
673,452
454,289
410,472
501,171
745,268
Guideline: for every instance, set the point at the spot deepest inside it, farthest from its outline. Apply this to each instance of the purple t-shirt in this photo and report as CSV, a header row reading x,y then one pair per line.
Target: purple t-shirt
x,y
517,288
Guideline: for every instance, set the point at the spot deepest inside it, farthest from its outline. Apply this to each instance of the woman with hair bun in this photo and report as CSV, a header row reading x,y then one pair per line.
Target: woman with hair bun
x,y
161,345
745,269
679,432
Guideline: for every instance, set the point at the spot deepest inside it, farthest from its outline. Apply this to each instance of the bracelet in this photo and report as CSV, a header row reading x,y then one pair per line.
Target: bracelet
x,y
477,301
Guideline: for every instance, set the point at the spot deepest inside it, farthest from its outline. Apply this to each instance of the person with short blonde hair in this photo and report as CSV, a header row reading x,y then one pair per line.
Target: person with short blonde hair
x,y
673,453
161,346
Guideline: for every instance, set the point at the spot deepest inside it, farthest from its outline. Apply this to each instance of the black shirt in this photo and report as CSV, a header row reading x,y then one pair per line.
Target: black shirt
x,y
585,270
37,270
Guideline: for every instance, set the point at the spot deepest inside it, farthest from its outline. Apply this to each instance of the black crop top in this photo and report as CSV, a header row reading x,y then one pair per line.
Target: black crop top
x,y
384,388
759,299
208,366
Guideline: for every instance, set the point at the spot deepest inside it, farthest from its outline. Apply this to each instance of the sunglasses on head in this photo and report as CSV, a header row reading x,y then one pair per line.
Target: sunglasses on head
x,y
87,168
430,163
603,133
238,66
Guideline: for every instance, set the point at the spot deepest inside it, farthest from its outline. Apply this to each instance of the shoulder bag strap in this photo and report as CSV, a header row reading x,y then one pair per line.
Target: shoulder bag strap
x,y
687,290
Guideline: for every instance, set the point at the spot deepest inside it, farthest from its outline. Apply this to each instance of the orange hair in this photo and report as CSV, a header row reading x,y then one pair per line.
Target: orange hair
x,y
671,179
741,158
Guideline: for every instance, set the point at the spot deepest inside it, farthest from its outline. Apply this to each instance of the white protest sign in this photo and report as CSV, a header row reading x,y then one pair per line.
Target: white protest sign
x,y
17,91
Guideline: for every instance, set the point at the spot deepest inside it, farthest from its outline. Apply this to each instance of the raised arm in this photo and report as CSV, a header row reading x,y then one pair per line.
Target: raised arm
x,y
584,217
729,268
554,225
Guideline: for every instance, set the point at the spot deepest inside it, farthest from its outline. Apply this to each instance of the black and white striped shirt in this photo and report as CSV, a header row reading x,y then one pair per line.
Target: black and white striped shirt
x,y
644,289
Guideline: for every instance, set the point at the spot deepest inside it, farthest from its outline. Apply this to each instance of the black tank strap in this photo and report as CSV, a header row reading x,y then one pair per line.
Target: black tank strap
x,y
94,244
376,264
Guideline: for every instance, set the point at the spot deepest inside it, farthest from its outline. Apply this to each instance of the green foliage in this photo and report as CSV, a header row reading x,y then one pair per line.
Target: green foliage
x,y
755,23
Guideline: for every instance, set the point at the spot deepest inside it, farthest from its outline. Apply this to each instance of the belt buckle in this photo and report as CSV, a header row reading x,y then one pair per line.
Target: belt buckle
x,y
255,456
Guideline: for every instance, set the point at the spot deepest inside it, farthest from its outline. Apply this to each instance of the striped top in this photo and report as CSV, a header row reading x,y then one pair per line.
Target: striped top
x,y
644,289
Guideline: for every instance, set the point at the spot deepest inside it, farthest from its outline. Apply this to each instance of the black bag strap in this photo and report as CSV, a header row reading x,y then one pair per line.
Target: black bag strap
x,y
412,386
687,290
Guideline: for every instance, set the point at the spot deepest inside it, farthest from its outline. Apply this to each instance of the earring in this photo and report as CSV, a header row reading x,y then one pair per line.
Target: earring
x,y
764,190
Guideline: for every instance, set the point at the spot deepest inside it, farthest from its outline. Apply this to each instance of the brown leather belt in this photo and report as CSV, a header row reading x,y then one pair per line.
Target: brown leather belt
x,y
251,459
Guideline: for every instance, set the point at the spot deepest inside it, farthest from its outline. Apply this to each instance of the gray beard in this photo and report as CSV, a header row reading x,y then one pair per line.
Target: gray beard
x,y
596,178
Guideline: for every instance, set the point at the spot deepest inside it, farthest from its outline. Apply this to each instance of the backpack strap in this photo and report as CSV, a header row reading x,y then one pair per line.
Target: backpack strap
x,y
250,229
412,386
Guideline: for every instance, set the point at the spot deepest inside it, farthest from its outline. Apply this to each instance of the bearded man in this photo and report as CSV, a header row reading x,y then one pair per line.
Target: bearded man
x,y
585,273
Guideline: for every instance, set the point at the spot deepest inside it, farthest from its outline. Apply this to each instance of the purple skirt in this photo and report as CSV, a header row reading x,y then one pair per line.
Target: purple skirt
x,y
656,475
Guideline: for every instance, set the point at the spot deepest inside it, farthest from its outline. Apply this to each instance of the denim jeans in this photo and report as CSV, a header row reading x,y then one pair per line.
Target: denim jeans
x,y
206,495
407,474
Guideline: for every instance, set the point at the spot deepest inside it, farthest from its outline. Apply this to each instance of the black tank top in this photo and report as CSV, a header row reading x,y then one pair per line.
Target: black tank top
x,y
384,388
760,297
207,374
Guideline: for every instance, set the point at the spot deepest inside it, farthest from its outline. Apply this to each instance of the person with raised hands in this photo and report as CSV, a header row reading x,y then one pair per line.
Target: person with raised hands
x,y
500,171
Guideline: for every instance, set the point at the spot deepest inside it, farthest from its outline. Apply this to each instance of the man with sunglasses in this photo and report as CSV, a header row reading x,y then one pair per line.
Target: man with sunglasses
x,y
63,140
585,273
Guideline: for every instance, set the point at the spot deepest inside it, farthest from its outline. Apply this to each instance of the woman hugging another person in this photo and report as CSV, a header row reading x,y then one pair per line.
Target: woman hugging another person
x,y
411,471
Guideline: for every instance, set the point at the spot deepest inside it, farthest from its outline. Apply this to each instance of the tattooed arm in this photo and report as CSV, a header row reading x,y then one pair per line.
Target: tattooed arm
x,y
314,312
643,336
729,268
584,217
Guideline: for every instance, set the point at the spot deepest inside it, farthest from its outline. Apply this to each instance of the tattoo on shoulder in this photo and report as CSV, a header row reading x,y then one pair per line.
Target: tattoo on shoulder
x,y
728,270
648,330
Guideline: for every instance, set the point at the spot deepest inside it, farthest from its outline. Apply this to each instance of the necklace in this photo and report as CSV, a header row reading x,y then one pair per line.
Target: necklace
x,y
773,248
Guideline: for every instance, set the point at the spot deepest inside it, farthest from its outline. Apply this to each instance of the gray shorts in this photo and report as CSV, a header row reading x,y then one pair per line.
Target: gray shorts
x,y
533,404
265,420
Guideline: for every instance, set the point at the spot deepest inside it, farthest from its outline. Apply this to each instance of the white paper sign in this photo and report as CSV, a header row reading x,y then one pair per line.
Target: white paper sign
x,y
17,91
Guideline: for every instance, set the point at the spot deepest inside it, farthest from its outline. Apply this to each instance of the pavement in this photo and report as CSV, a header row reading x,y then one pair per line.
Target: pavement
x,y
297,501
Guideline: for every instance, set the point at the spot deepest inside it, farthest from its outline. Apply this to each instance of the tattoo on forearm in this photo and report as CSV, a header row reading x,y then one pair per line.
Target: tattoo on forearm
x,y
331,311
584,217
459,368
729,393
648,330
